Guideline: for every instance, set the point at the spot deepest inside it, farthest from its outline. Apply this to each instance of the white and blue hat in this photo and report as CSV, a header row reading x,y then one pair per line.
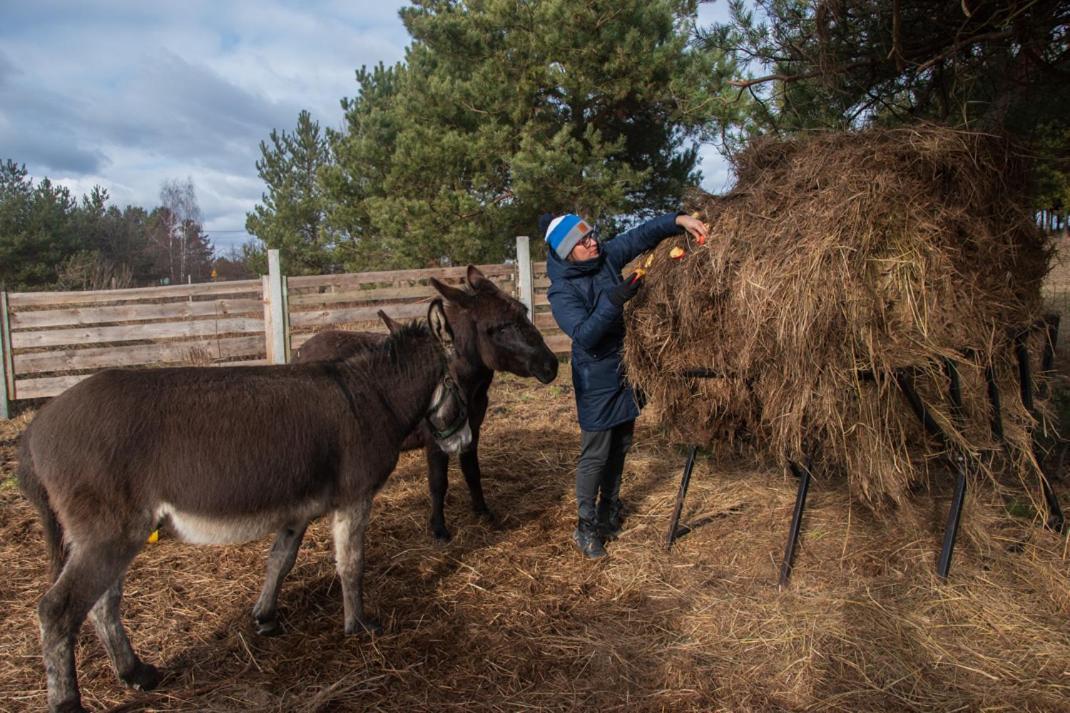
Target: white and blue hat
x,y
564,232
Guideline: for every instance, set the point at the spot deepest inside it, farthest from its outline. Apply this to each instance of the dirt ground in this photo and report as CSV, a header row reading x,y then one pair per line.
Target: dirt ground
x,y
509,617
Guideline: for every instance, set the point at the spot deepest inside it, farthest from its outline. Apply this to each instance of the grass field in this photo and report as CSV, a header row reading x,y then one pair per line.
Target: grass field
x,y
509,617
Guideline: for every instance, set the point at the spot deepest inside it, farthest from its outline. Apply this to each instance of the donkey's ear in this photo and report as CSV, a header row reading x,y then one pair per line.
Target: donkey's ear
x,y
440,326
452,294
475,278
392,326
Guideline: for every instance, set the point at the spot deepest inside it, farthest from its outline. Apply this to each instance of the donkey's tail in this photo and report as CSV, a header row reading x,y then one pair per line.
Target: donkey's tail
x,y
35,492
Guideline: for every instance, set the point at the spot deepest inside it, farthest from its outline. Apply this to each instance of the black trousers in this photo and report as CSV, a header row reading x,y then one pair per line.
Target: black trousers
x,y
599,471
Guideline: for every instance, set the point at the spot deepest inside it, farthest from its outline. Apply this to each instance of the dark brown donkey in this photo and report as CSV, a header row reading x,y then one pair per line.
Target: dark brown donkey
x,y
222,455
495,334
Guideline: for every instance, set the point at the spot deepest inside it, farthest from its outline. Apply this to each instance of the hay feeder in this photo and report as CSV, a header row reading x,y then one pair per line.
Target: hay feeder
x,y
960,461
844,267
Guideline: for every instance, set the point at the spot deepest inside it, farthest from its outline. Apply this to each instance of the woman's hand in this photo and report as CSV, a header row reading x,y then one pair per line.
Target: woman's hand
x,y
694,226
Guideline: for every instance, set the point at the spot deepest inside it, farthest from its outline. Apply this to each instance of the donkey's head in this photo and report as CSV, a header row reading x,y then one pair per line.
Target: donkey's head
x,y
447,413
494,328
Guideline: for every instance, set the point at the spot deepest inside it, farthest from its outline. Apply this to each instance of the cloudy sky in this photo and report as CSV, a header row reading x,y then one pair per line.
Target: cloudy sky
x,y
126,94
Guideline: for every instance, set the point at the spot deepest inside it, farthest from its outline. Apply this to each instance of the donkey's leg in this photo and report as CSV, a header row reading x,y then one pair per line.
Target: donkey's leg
x,y
349,525
470,457
109,625
89,572
437,466
474,478
280,562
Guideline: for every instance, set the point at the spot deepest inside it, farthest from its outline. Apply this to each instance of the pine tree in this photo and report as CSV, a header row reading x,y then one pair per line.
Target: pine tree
x,y
291,214
36,228
991,66
506,109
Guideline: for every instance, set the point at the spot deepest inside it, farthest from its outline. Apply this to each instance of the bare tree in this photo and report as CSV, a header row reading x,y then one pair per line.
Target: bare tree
x,y
179,201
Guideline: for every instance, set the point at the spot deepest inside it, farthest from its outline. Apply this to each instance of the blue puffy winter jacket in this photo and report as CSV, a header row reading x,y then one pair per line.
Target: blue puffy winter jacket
x,y
581,306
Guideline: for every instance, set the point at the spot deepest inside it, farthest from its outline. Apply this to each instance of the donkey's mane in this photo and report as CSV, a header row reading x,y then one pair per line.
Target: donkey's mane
x,y
399,342
403,352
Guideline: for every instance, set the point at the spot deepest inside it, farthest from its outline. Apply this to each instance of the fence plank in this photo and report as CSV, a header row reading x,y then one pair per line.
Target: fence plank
x,y
138,355
138,332
545,321
298,339
48,386
54,385
391,276
376,295
27,299
327,317
131,312
559,343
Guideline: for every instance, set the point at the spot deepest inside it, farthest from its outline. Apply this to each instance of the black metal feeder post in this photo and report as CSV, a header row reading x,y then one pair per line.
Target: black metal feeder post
x,y
1025,377
954,514
994,400
685,480
906,386
803,474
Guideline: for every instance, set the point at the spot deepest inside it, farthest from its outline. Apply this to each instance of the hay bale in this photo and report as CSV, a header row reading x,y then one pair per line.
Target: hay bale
x,y
838,255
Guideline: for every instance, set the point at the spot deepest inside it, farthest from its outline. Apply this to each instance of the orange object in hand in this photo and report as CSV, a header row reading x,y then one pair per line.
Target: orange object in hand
x,y
700,239
677,253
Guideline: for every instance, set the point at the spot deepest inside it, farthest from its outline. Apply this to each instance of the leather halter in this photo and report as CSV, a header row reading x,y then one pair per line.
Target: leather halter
x,y
449,388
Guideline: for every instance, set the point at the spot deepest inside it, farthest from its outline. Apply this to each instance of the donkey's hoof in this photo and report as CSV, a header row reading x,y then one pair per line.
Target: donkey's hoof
x,y
441,534
69,707
269,627
365,627
486,515
144,677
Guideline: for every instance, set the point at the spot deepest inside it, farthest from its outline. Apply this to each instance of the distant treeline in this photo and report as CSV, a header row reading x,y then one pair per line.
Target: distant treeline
x,y
49,239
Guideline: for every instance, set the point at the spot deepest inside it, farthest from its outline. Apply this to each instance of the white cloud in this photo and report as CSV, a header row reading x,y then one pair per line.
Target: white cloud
x,y
716,172
126,94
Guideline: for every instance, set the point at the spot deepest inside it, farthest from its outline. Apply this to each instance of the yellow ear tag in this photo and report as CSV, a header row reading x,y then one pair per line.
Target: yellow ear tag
x,y
154,536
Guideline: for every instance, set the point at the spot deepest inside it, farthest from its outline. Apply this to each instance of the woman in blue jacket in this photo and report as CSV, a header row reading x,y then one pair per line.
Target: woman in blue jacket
x,y
587,295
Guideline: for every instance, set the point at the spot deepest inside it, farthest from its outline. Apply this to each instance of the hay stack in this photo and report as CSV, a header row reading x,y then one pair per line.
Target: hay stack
x,y
839,254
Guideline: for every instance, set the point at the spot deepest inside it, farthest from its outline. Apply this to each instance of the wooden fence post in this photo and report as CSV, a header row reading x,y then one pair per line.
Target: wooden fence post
x,y
276,312
7,361
265,299
525,282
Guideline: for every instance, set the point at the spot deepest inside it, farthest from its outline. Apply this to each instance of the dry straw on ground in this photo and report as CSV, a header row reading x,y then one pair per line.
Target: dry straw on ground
x,y
510,618
838,257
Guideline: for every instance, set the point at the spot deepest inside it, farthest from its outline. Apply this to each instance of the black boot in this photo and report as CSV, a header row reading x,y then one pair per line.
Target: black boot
x,y
611,520
588,540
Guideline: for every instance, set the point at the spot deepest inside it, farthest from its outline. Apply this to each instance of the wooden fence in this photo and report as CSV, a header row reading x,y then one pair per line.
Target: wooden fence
x,y
51,340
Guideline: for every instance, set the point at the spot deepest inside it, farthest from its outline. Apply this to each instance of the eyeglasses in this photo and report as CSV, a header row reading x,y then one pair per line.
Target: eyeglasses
x,y
588,240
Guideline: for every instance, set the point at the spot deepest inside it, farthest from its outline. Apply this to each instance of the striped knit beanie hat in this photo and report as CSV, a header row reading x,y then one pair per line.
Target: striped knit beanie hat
x,y
564,232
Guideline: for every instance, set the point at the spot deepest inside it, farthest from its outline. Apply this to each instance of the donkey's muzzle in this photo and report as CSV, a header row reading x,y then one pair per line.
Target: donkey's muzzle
x,y
448,417
457,442
546,369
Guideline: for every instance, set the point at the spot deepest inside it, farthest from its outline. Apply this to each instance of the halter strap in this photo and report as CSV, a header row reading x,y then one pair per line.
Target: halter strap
x,y
449,387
